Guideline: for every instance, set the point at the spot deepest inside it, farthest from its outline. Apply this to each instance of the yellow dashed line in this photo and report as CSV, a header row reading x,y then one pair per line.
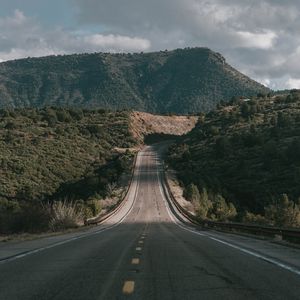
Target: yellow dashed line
x,y
135,261
128,287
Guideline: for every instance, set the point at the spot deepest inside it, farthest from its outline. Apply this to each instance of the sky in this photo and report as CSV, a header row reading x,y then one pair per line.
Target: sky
x,y
261,38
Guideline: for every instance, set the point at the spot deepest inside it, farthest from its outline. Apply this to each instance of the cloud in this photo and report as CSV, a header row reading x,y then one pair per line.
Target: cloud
x,y
112,42
257,40
293,83
21,36
259,37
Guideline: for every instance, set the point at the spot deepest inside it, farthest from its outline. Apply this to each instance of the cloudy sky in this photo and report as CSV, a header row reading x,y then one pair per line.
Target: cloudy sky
x,y
261,38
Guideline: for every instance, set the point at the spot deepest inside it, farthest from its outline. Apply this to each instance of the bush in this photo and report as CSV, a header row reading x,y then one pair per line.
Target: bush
x,y
283,213
191,193
65,215
222,147
10,126
94,205
204,205
253,218
63,116
22,217
221,211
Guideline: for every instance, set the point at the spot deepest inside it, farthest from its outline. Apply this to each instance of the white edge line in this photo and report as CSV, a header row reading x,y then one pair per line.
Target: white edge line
x,y
30,252
252,253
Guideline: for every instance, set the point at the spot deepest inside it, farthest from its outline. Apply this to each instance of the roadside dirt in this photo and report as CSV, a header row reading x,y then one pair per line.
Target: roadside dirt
x,y
177,192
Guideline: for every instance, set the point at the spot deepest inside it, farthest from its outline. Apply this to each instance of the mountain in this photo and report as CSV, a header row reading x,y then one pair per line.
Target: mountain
x,y
247,152
179,81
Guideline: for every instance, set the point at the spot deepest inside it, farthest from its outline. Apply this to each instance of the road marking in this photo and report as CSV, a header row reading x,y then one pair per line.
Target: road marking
x,y
249,252
138,248
260,256
141,242
128,287
135,261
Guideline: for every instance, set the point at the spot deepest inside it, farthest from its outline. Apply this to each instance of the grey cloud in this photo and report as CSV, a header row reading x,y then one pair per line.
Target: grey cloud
x,y
260,37
21,36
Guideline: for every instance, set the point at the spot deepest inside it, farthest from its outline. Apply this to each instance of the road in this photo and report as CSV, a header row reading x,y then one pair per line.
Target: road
x,y
145,252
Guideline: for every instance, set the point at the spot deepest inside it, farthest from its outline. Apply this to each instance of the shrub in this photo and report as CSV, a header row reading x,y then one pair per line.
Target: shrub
x,y
221,211
10,126
65,215
222,147
283,213
191,193
63,116
254,218
110,189
22,217
94,205
204,204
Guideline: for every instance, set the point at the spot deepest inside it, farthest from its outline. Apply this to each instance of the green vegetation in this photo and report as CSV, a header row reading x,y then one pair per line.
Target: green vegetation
x,y
180,81
56,165
244,157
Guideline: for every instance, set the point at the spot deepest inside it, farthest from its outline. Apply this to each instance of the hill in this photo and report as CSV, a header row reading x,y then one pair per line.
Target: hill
x,y
58,154
179,81
246,153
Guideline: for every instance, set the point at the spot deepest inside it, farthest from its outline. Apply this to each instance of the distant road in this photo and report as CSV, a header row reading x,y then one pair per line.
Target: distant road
x,y
145,252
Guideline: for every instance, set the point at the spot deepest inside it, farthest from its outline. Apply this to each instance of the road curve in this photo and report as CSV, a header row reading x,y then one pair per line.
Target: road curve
x,y
146,252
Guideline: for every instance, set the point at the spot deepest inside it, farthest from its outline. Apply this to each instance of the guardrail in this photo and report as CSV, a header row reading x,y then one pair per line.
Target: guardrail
x,y
284,233
119,205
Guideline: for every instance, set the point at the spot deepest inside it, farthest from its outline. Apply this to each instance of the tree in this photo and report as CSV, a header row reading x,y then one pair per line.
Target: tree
x,y
245,110
293,151
284,120
284,213
222,146
192,193
10,125
204,204
63,116
222,211
50,117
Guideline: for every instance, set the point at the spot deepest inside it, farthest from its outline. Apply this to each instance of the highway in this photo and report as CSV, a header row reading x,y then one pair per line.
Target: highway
x,y
145,251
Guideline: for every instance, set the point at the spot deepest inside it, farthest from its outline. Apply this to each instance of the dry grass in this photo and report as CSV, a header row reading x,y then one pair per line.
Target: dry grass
x,y
65,215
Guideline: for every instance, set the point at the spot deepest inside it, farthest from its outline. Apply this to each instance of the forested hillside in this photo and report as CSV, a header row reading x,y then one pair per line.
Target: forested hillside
x,y
245,156
64,155
179,81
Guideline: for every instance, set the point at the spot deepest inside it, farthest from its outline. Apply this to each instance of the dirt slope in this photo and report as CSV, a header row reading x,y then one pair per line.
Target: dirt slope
x,y
143,124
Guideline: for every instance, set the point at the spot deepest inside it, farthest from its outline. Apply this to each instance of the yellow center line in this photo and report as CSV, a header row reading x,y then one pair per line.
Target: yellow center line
x,y
128,287
135,261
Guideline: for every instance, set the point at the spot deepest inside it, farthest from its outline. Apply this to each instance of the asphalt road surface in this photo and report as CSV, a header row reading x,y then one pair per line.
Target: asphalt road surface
x,y
146,252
